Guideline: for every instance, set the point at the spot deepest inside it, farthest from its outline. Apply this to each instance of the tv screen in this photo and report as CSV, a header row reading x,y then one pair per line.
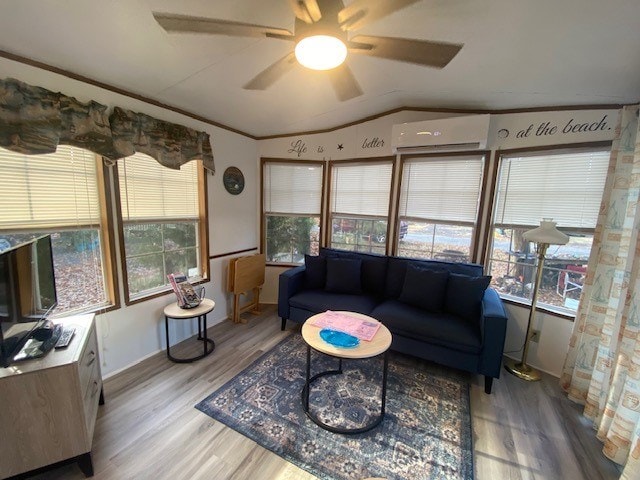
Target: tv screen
x,y
27,293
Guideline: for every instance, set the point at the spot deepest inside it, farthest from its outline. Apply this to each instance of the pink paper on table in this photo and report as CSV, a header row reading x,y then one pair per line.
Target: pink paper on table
x,y
358,327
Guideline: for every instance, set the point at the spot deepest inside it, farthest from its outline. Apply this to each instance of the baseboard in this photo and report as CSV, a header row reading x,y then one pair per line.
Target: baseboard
x,y
149,355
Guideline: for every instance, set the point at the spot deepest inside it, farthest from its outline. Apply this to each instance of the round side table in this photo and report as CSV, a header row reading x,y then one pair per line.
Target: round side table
x,y
379,345
200,312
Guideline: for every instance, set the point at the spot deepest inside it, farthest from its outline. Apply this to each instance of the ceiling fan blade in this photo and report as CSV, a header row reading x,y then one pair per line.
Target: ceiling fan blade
x,y
189,24
421,52
306,10
344,83
362,12
272,73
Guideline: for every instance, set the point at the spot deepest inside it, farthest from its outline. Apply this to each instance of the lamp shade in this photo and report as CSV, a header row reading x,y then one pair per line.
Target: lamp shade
x,y
546,233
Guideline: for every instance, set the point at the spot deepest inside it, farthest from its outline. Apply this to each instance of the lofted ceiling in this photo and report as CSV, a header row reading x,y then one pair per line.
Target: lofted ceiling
x,y
516,54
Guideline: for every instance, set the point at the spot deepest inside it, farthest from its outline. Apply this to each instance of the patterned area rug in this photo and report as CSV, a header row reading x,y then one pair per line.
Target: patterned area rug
x,y
425,434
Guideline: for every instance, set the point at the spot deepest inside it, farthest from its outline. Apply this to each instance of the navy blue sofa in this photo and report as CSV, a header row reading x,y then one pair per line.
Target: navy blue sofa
x,y
440,311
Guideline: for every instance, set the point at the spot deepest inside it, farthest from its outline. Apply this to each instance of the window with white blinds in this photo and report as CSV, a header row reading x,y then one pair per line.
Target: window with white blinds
x,y
292,188
162,226
150,191
49,191
567,187
60,194
441,189
361,189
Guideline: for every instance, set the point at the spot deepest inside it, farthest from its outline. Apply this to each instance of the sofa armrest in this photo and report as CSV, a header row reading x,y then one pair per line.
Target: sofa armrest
x,y
289,283
493,325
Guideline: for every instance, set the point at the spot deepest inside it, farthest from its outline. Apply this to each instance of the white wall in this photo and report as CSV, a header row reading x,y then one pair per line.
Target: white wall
x,y
506,131
131,333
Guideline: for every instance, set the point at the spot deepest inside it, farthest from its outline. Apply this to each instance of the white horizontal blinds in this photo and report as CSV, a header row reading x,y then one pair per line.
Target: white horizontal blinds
x,y
441,189
150,191
567,187
292,188
53,190
361,189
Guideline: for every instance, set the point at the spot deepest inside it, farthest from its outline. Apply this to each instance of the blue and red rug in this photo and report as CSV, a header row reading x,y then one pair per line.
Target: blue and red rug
x,y
425,434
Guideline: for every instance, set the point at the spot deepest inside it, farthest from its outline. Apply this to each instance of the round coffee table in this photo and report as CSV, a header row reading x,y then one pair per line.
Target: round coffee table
x,y
199,312
378,345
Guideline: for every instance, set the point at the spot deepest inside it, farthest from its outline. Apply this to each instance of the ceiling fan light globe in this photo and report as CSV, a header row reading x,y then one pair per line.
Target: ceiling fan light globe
x,y
321,52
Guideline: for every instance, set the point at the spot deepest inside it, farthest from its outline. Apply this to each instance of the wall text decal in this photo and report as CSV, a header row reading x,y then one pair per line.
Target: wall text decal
x,y
545,129
298,147
375,142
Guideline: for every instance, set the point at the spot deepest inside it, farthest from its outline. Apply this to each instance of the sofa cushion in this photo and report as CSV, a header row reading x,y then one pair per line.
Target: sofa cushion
x,y
397,266
343,276
315,271
437,328
424,288
320,301
374,268
464,296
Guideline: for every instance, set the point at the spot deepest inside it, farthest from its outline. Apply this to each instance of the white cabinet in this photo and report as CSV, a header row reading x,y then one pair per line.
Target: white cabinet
x,y
48,406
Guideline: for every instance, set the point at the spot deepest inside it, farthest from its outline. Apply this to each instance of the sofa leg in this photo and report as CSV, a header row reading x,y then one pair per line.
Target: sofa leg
x,y
284,324
488,382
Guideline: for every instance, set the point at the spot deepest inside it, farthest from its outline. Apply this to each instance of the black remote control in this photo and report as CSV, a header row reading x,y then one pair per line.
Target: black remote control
x,y
65,338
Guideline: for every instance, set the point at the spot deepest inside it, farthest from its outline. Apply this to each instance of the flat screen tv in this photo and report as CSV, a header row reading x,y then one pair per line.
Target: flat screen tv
x,y
27,293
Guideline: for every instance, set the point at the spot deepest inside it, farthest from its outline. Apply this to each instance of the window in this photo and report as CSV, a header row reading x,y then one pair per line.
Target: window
x,y
61,194
359,206
438,208
566,187
163,227
291,205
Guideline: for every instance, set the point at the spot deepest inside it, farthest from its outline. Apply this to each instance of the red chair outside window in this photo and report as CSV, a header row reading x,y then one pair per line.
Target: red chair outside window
x,y
571,279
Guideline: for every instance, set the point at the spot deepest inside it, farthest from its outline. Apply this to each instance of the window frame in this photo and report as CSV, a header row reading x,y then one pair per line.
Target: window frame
x,y
489,225
474,249
202,232
264,161
329,215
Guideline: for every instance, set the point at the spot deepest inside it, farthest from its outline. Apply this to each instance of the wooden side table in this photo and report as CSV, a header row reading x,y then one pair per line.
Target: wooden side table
x,y
200,312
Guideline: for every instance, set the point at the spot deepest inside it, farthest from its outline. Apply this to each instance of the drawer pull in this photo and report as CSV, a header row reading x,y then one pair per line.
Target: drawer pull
x,y
92,357
96,387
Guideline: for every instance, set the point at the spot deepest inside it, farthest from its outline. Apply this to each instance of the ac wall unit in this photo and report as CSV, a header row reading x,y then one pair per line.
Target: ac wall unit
x,y
443,135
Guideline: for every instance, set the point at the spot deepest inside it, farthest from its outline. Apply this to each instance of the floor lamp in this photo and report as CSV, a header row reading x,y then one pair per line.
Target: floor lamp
x,y
543,236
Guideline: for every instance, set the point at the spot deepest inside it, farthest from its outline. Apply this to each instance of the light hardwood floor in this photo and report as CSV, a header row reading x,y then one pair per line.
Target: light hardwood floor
x,y
149,428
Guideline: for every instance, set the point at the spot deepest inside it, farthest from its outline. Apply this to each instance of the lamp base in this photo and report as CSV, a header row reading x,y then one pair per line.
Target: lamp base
x,y
522,370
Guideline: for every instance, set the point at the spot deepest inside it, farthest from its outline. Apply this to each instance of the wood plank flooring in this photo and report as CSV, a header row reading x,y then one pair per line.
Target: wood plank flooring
x,y
148,428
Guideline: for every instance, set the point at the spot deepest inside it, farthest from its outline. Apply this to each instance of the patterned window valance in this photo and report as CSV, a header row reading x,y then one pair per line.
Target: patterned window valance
x,y
34,120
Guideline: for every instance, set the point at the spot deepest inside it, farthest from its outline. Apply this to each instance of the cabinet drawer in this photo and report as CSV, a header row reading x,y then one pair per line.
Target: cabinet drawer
x,y
88,359
91,398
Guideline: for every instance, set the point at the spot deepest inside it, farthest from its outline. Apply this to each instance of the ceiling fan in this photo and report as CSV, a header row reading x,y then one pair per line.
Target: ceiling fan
x,y
320,26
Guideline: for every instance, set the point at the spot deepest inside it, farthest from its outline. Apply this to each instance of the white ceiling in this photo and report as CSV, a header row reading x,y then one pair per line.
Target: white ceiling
x,y
516,54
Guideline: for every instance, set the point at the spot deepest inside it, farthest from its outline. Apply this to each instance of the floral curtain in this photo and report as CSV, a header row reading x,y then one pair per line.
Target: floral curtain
x,y
602,368
34,120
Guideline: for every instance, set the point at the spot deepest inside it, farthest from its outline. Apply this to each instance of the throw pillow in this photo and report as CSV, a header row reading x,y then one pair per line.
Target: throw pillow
x,y
343,276
315,271
464,295
424,288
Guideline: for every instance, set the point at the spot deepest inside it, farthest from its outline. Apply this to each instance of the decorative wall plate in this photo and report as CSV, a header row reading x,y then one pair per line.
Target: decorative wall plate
x,y
233,180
